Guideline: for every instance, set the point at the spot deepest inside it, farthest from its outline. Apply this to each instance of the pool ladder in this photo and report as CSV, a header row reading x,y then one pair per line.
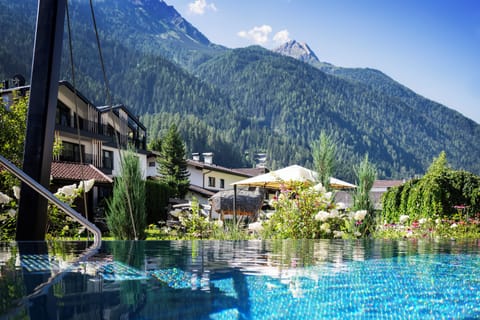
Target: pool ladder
x,y
97,235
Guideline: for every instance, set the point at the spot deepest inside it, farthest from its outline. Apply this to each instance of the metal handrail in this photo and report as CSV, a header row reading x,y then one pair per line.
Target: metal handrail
x,y
97,235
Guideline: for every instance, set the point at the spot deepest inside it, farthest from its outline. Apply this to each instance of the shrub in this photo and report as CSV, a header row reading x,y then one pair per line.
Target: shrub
x,y
310,213
438,194
157,195
126,218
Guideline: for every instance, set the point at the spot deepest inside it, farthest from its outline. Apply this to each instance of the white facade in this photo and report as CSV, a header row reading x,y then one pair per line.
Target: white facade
x,y
101,132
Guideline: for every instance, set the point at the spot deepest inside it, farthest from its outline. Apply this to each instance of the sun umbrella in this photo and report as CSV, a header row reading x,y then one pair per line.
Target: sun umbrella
x,y
281,178
340,184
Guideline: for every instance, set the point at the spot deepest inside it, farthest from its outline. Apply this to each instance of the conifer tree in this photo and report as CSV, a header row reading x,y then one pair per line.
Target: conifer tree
x,y
324,154
172,162
366,174
126,216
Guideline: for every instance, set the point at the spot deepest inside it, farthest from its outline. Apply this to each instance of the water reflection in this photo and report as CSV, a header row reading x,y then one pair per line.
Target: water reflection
x,y
215,279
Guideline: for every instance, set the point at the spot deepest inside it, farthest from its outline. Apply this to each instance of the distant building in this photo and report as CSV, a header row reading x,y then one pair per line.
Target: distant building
x,y
378,189
207,178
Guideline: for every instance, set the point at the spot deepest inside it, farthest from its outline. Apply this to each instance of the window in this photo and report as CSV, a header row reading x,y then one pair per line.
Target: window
x,y
71,152
107,159
222,183
151,164
80,122
62,116
211,181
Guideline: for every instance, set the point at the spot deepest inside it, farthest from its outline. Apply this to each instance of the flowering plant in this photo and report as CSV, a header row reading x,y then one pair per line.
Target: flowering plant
x,y
311,213
57,225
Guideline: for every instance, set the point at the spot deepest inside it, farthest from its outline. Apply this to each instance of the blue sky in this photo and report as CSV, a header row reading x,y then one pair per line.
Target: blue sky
x,y
430,46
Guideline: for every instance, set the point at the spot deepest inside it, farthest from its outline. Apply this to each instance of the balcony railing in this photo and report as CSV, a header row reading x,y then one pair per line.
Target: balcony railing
x,y
107,134
86,158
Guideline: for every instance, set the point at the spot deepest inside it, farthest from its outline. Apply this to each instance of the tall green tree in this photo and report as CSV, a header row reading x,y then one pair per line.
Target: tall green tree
x,y
324,152
366,175
126,215
172,162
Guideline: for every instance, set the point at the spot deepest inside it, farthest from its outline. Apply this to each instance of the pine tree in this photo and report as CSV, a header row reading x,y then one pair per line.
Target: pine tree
x,y
173,164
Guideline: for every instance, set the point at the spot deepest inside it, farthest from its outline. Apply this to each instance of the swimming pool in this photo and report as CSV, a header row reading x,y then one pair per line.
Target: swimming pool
x,y
307,279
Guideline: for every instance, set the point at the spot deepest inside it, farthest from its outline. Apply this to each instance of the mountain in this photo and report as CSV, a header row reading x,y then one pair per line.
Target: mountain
x,y
148,27
296,100
443,123
301,51
247,100
298,50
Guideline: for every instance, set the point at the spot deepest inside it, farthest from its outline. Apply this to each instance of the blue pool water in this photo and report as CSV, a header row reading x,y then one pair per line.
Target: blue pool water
x,y
317,279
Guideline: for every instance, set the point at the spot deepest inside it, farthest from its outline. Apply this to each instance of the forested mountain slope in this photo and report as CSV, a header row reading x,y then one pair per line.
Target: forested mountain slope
x,y
246,100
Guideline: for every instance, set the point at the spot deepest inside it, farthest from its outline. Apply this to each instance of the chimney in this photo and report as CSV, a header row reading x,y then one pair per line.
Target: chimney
x,y
208,157
195,156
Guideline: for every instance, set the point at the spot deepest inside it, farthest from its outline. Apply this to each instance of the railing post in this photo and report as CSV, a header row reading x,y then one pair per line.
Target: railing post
x,y
32,215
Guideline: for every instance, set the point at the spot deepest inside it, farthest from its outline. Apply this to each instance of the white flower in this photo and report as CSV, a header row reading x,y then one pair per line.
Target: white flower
x,y
12,213
453,226
333,213
16,192
341,206
360,215
337,234
88,185
4,199
68,191
219,223
326,228
319,187
322,216
403,218
255,226
438,221
357,234
328,195
422,221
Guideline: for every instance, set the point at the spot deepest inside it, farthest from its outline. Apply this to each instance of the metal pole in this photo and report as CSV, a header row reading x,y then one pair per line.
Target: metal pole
x,y
234,205
32,215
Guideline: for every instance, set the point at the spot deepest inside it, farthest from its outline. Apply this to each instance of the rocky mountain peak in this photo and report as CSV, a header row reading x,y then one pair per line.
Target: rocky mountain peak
x,y
297,50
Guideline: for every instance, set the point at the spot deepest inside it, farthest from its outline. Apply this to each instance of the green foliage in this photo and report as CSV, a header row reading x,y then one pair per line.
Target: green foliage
x,y
12,286
157,195
457,227
309,213
12,136
324,152
366,175
12,129
59,225
248,99
196,226
173,164
125,215
439,193
8,216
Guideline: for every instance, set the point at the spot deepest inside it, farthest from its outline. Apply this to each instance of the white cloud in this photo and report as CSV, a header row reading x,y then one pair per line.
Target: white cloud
x,y
200,6
259,35
281,37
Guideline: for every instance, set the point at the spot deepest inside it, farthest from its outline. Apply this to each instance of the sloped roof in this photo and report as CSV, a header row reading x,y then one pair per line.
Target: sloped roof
x,y
214,167
387,183
252,171
77,172
202,191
